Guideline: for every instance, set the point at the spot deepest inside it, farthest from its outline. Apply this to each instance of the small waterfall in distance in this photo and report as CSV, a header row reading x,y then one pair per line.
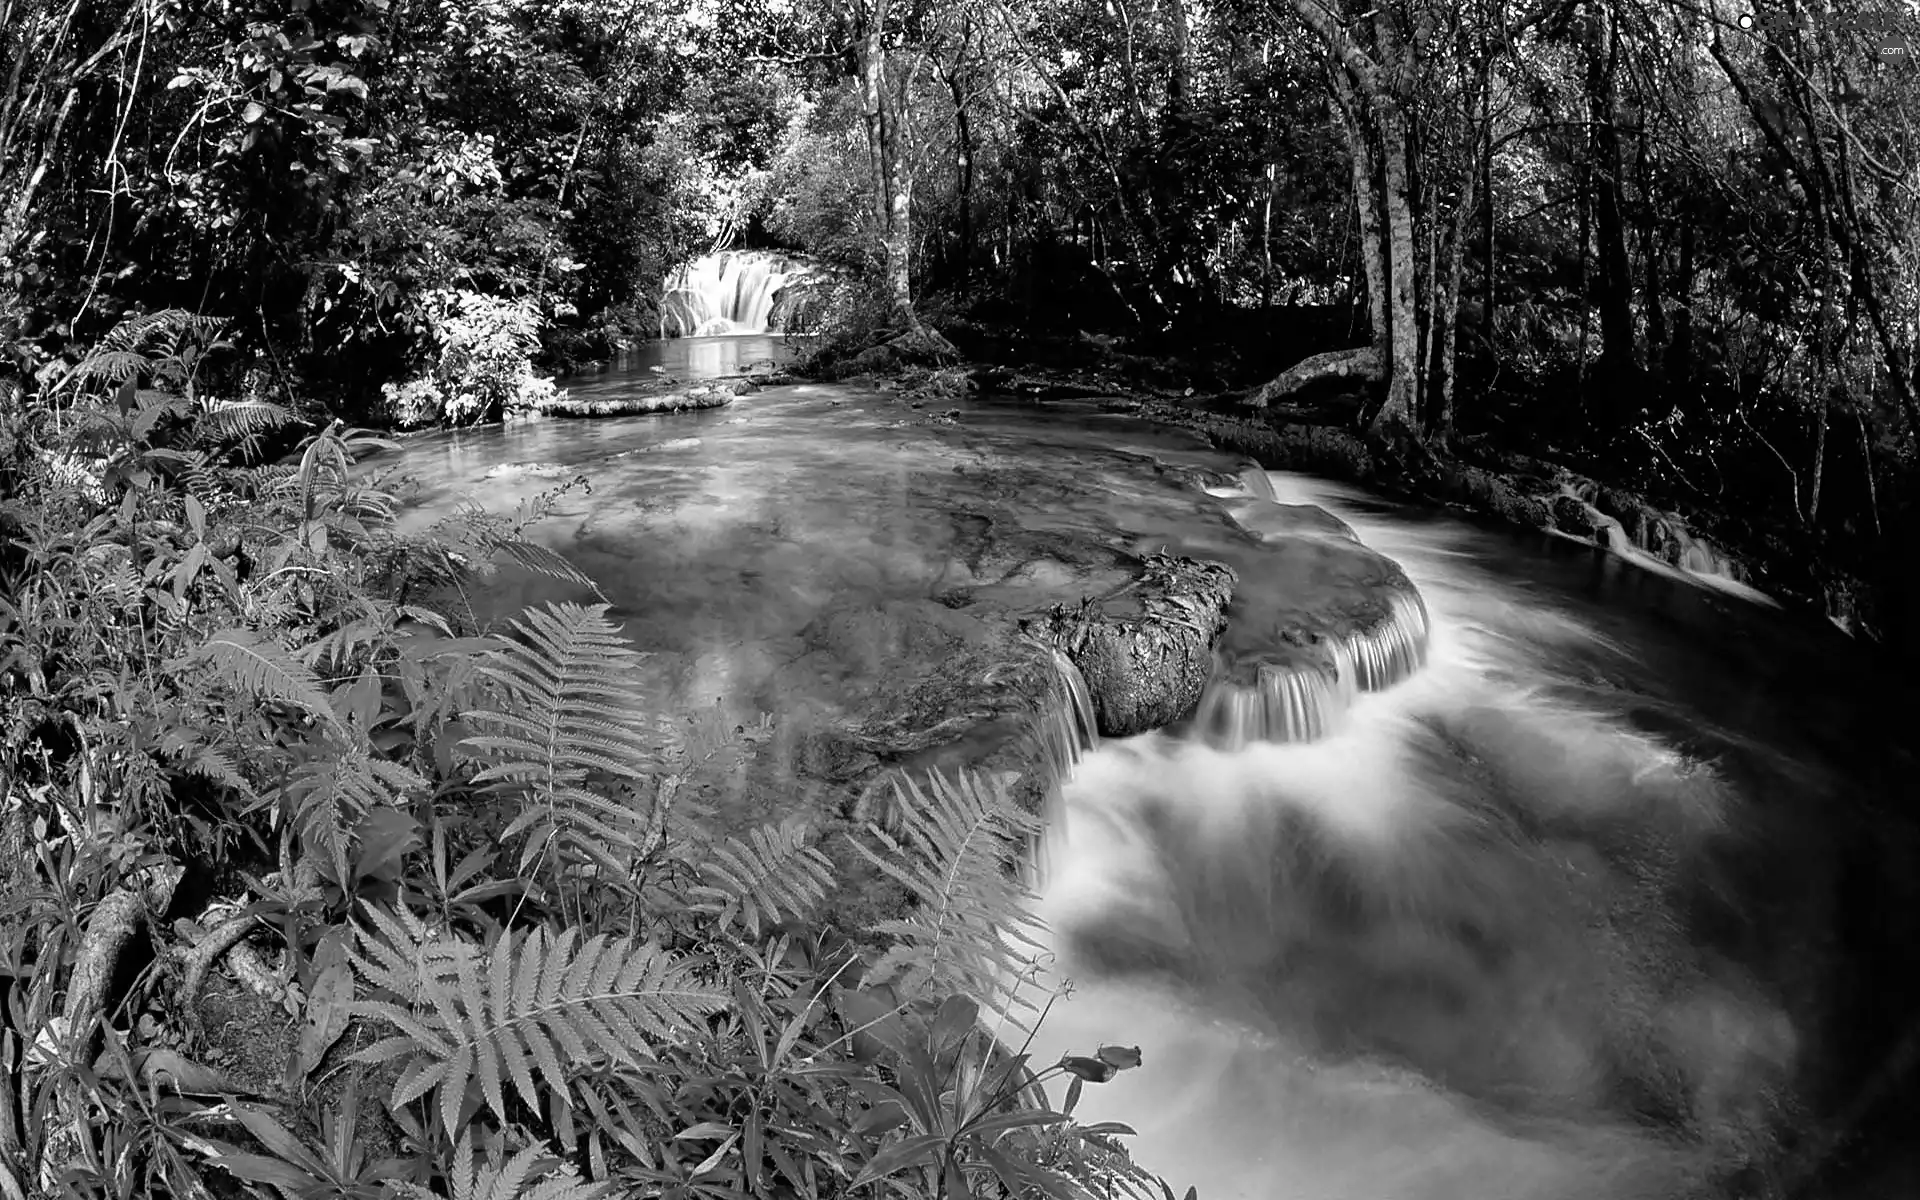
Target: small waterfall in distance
x,y
732,292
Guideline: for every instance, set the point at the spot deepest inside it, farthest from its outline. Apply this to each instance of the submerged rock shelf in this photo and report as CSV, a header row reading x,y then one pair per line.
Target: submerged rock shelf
x,y
1152,656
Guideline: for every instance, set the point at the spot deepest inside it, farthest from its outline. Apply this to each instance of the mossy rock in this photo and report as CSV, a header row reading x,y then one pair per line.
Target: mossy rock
x,y
1147,653
1339,596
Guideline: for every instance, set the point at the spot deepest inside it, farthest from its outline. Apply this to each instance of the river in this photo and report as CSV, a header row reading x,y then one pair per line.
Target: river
x,y
1612,897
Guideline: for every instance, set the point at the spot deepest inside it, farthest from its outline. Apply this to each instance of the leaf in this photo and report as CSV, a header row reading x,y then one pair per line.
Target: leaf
x,y
256,665
253,112
957,838
957,1017
257,1168
526,1004
329,1011
919,1150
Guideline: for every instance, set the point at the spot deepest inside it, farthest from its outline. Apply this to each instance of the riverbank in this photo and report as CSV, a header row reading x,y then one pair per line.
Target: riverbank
x,y
1473,475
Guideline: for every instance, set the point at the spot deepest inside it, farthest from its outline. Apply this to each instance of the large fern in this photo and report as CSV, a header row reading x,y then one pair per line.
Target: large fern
x,y
527,1005
970,930
566,708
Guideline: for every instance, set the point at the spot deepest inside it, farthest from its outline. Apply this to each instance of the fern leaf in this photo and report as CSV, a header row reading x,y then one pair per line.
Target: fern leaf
x,y
544,560
567,708
531,1174
972,914
606,999
771,874
256,665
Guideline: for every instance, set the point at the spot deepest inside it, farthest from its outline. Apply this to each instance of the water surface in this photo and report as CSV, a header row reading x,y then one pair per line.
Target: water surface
x,y
1612,898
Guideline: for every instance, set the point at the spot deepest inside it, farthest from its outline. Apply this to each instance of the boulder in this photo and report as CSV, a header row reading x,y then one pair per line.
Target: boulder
x,y
1147,652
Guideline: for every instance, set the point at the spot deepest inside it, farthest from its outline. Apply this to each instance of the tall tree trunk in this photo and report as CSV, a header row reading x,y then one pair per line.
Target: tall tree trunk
x,y
891,181
1366,193
1490,285
963,186
1617,351
1446,314
1652,251
1179,79
1403,369
1376,87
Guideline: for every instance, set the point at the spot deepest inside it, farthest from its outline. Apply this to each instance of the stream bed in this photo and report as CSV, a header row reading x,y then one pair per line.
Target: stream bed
x,y
1612,895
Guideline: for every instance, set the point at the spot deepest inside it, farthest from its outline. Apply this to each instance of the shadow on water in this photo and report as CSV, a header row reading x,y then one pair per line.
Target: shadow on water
x,y
1612,897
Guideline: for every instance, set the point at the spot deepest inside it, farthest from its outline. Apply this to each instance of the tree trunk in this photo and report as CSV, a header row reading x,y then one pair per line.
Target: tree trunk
x,y
890,179
1446,314
1178,79
1490,284
1617,351
1403,372
1366,192
963,129
1378,91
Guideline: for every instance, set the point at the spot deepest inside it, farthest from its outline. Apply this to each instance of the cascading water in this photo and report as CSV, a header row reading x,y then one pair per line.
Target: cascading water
x,y
1447,922
732,292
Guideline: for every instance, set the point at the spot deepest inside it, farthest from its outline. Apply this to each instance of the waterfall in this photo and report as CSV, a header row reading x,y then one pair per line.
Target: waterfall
x,y
734,291
1258,701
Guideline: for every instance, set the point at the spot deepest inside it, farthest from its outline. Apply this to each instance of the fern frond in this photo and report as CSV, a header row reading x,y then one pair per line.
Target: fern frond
x,y
567,708
529,1175
531,1005
257,666
329,797
972,914
544,560
108,366
223,421
773,872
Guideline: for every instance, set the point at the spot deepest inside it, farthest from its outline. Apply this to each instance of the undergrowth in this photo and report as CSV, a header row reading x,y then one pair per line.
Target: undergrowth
x,y
252,744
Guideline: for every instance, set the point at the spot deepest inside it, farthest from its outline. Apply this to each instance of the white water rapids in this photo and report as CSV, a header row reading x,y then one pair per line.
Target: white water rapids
x,y
1439,953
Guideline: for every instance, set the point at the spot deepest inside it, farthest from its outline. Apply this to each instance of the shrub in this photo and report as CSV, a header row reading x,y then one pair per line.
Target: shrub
x,y
483,366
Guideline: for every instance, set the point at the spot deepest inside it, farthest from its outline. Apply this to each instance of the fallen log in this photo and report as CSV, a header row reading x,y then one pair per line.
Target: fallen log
x,y
1361,365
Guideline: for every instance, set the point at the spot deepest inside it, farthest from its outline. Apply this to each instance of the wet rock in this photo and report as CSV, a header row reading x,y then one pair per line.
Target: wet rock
x,y
1146,654
1572,515
537,469
922,346
1268,519
682,399
1340,597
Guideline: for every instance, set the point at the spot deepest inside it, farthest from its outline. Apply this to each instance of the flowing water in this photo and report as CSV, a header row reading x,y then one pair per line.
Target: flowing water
x,y
733,291
692,358
1574,880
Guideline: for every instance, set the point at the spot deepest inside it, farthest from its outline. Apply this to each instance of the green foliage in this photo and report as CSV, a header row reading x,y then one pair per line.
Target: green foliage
x,y
492,894
483,367
518,1007
952,849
